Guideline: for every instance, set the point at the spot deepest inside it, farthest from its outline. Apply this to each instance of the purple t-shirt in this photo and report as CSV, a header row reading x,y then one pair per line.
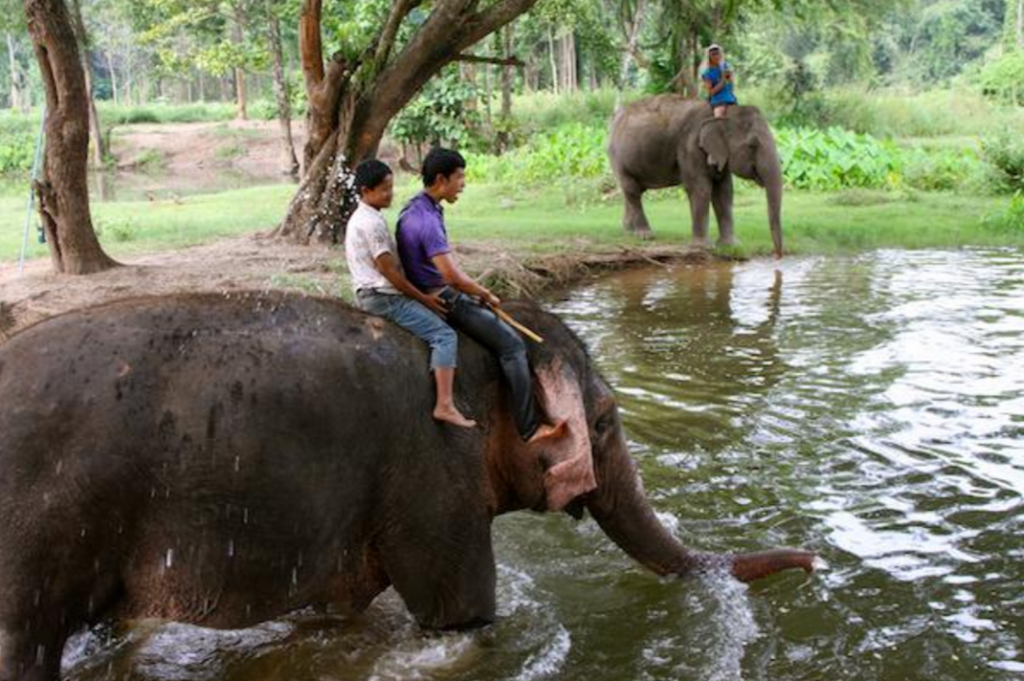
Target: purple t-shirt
x,y
421,236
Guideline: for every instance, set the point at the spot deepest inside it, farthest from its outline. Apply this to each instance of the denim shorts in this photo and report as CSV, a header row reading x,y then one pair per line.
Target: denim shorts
x,y
417,319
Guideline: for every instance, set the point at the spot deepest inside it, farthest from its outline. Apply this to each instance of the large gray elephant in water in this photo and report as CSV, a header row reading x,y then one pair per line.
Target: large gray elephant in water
x,y
668,140
225,460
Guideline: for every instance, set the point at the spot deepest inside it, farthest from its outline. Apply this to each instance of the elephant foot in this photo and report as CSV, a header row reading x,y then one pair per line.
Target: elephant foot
x,y
730,241
643,233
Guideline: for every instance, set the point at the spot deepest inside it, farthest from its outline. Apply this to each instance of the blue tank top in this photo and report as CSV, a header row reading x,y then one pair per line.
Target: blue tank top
x,y
714,75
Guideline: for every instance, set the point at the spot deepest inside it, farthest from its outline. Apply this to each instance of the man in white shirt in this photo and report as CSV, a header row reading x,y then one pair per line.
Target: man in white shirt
x,y
382,289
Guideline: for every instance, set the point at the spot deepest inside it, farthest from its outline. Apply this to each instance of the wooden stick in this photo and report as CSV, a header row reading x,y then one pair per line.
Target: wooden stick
x,y
507,318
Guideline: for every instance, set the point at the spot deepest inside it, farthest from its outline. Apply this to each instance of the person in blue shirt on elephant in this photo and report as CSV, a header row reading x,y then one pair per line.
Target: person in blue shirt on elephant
x,y
717,77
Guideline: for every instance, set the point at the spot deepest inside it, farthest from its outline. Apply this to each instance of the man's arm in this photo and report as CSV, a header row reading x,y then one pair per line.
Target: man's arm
x,y
456,278
388,266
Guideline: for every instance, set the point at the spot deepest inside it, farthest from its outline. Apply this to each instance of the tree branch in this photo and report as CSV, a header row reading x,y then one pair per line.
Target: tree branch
x,y
482,24
399,11
451,28
500,61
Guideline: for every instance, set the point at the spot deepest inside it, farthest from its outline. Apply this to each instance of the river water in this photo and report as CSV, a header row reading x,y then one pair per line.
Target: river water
x,y
870,408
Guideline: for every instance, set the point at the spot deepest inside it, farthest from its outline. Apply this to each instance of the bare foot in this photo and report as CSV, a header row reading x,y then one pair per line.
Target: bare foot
x,y
452,416
549,430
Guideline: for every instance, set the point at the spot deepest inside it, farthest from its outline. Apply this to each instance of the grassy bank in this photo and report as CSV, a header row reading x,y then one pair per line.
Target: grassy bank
x,y
572,217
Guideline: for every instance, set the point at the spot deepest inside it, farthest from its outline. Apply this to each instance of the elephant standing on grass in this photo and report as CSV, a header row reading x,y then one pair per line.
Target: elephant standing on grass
x,y
668,140
224,460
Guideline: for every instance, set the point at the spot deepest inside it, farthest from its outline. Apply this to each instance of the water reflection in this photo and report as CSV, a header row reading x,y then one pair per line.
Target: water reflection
x,y
890,436
709,335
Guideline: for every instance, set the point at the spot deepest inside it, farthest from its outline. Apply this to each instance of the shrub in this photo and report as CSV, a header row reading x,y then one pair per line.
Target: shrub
x,y
17,141
1005,152
1004,79
1012,219
572,150
943,169
836,158
445,112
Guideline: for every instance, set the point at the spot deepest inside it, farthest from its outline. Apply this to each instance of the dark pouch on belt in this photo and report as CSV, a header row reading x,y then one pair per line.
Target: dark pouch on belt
x,y
448,296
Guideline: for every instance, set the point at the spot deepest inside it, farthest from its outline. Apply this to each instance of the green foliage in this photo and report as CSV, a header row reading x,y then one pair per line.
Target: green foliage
x,y
1005,152
150,161
230,152
120,231
541,111
891,113
17,141
1004,79
943,169
836,158
952,33
445,112
802,101
1010,221
574,150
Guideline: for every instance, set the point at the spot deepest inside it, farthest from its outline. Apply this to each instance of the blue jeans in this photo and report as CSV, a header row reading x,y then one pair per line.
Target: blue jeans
x,y
417,319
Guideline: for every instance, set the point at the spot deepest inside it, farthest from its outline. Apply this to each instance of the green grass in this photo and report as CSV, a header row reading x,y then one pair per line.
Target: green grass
x,y
571,217
111,114
812,222
138,226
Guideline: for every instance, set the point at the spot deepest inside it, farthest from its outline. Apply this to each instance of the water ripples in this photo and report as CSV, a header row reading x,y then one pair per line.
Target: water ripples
x,y
870,408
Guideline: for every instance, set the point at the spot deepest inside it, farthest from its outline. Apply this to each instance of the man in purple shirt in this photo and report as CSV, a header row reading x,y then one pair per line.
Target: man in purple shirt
x,y
430,265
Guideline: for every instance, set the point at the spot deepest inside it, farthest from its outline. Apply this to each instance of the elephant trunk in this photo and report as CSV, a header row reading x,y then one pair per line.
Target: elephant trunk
x,y
620,507
769,171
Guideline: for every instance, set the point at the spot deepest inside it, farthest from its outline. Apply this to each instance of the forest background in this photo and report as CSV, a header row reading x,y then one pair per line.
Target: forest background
x,y
899,123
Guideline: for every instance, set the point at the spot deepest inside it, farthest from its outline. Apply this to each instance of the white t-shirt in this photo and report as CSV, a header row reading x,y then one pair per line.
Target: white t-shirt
x,y
366,238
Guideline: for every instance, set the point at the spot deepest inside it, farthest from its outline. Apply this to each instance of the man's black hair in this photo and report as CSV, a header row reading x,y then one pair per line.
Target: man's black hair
x,y
441,161
370,174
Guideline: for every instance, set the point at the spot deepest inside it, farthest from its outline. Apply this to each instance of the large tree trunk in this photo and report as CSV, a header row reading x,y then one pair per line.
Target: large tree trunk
x,y
236,35
507,74
632,30
130,82
16,75
552,60
63,192
567,61
289,163
351,104
1020,25
113,76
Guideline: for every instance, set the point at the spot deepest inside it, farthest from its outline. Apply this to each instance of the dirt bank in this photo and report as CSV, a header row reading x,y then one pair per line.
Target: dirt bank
x,y
257,263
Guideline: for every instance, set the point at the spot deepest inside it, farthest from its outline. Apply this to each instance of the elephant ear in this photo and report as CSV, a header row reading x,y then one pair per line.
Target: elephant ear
x,y
568,459
713,141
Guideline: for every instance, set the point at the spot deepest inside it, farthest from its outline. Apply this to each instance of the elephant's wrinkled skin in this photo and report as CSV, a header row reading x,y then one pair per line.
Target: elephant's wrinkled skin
x,y
225,460
668,140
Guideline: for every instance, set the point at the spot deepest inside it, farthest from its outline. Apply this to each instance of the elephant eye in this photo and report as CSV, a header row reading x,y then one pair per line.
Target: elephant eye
x,y
606,421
